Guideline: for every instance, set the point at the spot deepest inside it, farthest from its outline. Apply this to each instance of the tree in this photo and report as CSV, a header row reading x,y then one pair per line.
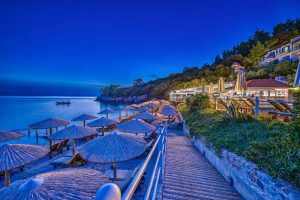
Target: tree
x,y
138,82
218,60
256,53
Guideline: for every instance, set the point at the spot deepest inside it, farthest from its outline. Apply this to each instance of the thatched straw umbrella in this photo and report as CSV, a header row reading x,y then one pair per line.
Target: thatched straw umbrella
x,y
113,148
5,136
241,84
168,111
221,85
142,109
18,155
145,116
49,123
136,126
73,132
211,88
84,118
70,184
150,105
106,112
102,122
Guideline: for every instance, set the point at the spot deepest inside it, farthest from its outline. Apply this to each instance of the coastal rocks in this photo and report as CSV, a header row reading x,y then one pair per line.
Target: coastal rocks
x,y
246,178
133,99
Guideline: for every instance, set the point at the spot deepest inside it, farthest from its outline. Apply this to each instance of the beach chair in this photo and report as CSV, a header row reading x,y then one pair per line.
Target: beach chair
x,y
62,145
54,147
68,160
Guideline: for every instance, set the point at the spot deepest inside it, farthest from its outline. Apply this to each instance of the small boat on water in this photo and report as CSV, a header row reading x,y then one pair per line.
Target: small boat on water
x,y
63,102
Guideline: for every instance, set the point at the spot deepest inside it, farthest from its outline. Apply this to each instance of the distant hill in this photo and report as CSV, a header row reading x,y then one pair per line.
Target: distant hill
x,y
26,88
247,53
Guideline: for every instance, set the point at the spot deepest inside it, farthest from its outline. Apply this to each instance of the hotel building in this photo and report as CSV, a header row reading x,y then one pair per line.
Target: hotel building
x,y
289,51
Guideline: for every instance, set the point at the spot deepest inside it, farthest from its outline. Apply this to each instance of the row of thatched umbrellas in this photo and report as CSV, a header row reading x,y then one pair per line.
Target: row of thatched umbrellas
x,y
111,148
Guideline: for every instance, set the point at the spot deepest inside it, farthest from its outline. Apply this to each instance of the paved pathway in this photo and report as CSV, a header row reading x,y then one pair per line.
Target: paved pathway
x,y
188,175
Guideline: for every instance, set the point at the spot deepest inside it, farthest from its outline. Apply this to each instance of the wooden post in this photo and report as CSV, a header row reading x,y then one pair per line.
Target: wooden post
x,y
36,136
7,178
256,109
50,140
28,131
216,104
120,114
46,132
106,115
115,170
73,145
83,122
102,130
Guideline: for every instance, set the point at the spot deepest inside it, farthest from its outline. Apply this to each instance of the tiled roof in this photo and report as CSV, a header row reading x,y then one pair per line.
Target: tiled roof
x,y
266,83
263,83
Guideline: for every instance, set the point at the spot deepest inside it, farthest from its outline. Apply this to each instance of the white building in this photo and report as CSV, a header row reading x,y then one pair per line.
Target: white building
x,y
289,51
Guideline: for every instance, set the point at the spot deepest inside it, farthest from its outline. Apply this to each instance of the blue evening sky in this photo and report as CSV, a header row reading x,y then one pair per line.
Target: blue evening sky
x,y
103,42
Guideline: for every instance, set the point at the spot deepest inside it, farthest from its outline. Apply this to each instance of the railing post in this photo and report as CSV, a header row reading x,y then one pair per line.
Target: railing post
x,y
256,109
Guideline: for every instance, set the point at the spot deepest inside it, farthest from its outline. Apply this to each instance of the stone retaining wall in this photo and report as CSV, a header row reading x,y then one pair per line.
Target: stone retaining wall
x,y
246,178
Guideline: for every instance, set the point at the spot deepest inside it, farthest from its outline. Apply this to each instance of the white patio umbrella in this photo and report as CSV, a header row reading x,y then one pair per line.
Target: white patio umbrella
x,y
113,148
73,132
84,118
70,184
241,84
17,155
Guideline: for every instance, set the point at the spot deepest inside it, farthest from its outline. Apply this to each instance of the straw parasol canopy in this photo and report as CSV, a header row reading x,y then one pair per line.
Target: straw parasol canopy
x,y
49,123
221,85
113,148
136,126
17,155
142,108
84,118
150,105
70,184
106,112
145,116
5,136
102,122
211,88
168,110
241,84
73,132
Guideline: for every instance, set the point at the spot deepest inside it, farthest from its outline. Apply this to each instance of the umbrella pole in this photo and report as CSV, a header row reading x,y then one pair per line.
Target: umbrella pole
x,y
28,131
83,122
102,130
46,132
7,178
115,170
73,146
106,115
50,140
36,135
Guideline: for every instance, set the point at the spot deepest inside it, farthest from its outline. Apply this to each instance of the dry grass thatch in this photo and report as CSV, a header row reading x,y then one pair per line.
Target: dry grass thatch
x,y
101,122
115,147
73,132
5,136
71,184
16,155
84,117
136,126
49,123
145,116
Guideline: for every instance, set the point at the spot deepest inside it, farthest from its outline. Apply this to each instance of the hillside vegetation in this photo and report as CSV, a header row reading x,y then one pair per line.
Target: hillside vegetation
x,y
273,146
247,53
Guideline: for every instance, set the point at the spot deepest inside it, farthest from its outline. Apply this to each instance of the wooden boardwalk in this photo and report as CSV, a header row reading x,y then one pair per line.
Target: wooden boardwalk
x,y
188,175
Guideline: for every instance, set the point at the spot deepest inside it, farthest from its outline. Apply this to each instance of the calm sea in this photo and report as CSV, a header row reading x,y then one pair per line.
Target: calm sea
x,y
19,112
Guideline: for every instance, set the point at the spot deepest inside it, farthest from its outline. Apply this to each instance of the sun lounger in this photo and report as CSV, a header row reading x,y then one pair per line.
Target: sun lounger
x,y
67,160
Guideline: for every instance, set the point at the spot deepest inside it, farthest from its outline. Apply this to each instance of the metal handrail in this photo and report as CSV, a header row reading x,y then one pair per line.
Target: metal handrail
x,y
128,194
